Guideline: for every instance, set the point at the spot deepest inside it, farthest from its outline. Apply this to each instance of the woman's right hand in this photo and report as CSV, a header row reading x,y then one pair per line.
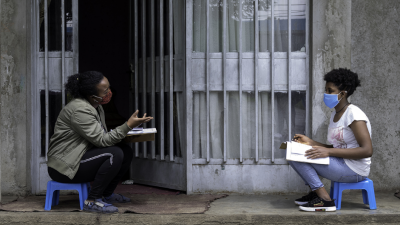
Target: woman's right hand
x,y
303,139
135,121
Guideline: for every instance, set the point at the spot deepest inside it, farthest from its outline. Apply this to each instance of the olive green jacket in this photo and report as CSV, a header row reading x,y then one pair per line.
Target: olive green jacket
x,y
79,128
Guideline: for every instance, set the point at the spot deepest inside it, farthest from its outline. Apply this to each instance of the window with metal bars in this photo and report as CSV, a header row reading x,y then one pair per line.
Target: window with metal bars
x,y
54,21
249,90
158,52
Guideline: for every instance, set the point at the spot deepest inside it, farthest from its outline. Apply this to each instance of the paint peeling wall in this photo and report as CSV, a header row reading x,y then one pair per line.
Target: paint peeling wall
x,y
375,57
331,48
13,97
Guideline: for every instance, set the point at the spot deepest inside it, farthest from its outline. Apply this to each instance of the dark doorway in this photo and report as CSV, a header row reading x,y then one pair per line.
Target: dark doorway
x,y
104,47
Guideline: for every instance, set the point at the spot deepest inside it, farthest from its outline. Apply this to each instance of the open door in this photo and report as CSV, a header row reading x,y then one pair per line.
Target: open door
x,y
157,83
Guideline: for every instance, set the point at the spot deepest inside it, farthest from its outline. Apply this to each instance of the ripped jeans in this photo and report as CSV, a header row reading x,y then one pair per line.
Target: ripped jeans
x,y
337,170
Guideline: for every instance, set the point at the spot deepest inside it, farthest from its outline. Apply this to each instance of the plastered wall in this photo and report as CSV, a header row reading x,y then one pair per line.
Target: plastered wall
x,y
375,56
331,48
13,97
331,44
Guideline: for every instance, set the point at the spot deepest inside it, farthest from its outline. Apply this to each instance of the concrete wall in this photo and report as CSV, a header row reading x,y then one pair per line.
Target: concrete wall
x,y
0,99
375,57
14,64
331,45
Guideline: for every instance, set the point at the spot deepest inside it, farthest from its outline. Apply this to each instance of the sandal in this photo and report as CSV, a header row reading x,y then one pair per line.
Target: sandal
x,y
116,198
99,206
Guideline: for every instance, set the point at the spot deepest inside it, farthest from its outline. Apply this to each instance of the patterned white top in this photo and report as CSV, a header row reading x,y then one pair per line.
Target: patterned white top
x,y
340,135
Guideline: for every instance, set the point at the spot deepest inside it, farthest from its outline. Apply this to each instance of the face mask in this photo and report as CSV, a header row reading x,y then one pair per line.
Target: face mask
x,y
106,99
331,100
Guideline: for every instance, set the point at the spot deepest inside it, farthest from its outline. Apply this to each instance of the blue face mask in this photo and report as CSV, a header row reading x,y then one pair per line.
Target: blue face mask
x,y
331,100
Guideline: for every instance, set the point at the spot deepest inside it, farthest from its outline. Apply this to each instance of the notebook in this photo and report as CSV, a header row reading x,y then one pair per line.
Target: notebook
x,y
143,131
295,152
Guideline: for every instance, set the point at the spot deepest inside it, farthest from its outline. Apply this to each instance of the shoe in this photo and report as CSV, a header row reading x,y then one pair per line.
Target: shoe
x,y
99,206
319,204
113,198
306,198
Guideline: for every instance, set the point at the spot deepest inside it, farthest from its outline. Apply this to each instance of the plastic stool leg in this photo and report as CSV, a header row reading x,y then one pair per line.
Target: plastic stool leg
x,y
49,197
371,198
81,196
332,189
335,193
339,198
365,196
56,196
85,191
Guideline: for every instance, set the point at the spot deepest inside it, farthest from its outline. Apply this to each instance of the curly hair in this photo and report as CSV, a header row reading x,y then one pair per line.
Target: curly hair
x,y
344,79
83,84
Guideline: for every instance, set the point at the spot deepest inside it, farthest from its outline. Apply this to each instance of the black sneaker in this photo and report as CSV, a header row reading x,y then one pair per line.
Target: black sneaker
x,y
319,204
306,198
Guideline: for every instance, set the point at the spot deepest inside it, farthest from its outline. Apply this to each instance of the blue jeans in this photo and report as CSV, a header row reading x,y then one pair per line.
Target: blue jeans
x,y
337,170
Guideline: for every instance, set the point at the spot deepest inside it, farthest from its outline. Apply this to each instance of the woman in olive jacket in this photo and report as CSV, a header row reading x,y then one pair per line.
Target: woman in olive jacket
x,y
82,150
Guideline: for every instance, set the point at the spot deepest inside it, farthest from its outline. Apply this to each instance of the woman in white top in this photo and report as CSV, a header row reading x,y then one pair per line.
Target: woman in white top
x,y
349,133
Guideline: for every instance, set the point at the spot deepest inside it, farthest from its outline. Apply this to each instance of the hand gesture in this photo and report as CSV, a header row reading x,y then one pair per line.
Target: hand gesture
x,y
135,121
317,152
303,139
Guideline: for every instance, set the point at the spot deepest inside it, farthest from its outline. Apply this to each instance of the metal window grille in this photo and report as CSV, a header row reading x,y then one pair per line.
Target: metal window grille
x,y
273,88
161,72
51,73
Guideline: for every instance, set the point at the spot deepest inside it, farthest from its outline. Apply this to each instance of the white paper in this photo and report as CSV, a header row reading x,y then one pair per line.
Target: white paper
x,y
295,152
298,148
137,129
144,131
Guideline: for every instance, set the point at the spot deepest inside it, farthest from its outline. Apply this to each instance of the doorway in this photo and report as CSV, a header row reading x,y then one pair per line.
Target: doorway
x,y
117,40
103,41
103,47
107,44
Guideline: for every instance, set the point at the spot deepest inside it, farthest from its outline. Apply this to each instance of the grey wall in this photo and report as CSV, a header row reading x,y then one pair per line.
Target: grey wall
x,y
375,57
14,64
0,96
331,45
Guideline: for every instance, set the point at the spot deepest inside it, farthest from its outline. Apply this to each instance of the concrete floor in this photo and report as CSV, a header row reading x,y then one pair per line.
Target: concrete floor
x,y
352,203
234,209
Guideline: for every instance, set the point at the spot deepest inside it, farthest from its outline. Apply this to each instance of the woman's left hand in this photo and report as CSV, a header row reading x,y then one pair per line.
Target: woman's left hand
x,y
317,152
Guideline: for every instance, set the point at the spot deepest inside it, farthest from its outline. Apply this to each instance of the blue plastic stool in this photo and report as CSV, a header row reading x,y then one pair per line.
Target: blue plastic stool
x,y
367,187
53,192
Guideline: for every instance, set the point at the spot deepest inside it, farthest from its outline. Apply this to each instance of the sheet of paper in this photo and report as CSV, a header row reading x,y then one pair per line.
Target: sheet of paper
x,y
144,131
137,129
295,152
298,148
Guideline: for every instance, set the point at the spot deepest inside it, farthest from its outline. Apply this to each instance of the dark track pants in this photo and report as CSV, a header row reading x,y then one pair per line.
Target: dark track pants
x,y
104,166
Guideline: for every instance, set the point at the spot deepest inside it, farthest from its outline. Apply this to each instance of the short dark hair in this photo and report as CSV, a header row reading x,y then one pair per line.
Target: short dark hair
x,y
344,79
83,84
